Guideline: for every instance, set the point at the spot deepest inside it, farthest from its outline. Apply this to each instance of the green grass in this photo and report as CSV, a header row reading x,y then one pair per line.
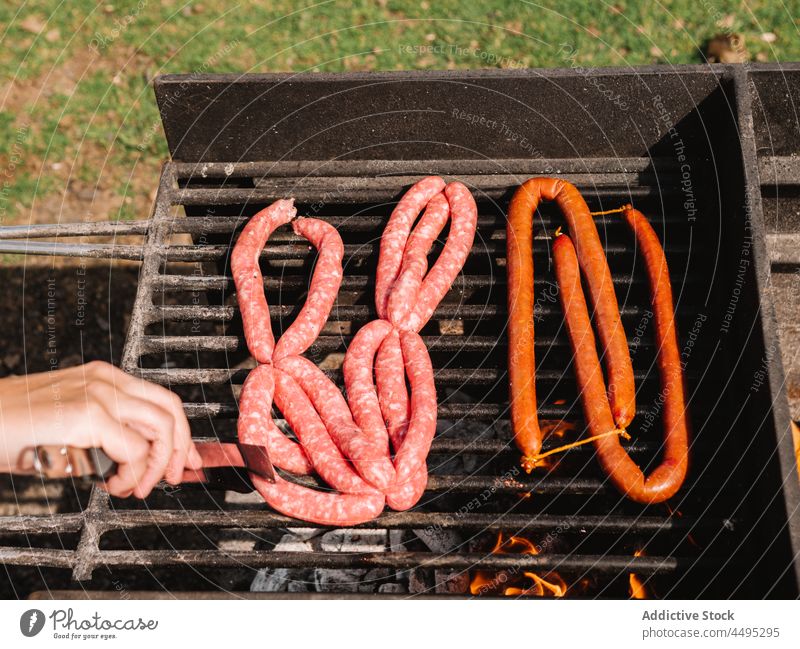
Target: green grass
x,y
96,119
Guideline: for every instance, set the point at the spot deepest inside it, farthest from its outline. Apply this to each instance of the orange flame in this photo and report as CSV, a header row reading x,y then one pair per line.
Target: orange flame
x,y
637,589
679,514
484,582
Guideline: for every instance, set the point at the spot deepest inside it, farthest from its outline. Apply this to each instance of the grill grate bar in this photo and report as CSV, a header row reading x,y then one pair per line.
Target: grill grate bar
x,y
443,343
446,376
355,253
494,188
596,166
453,445
547,220
264,519
490,411
253,559
438,484
364,312
354,282
82,228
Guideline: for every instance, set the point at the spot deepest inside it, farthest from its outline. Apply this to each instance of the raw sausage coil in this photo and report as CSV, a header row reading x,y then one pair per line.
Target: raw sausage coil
x,y
283,375
406,295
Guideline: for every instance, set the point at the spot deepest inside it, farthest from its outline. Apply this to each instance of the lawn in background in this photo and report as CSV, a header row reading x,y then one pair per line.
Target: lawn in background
x,y
81,133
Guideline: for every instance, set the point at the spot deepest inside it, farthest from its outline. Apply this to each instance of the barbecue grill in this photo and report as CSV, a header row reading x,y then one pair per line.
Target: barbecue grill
x,y
683,147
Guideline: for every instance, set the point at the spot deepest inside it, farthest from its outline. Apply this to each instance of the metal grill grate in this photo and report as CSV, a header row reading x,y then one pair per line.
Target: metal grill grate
x,y
606,529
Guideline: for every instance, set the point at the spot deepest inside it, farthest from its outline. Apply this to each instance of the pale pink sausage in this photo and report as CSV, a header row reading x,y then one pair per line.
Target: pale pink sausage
x,y
395,236
249,281
255,425
322,508
422,424
404,496
360,386
335,414
406,289
322,291
440,278
327,459
390,381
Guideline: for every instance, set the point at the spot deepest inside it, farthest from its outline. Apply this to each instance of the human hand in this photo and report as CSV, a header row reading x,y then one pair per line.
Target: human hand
x,y
139,425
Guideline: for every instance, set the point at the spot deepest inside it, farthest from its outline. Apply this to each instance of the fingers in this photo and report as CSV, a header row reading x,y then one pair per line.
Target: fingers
x,y
123,483
130,450
184,453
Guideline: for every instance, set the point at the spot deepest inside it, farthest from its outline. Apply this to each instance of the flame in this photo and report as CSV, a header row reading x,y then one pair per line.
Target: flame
x,y
637,589
541,587
484,581
556,427
679,514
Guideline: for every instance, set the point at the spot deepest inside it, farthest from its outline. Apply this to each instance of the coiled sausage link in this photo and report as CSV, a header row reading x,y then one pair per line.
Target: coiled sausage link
x,y
315,424
521,355
667,478
406,295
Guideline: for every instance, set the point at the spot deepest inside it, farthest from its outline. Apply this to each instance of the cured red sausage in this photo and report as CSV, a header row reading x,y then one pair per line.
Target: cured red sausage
x,y
667,478
521,357
248,279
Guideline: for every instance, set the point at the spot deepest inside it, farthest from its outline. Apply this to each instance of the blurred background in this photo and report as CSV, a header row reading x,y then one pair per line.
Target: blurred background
x,y
82,137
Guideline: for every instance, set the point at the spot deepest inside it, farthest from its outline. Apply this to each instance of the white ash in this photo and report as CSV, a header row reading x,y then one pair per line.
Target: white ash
x,y
277,580
353,580
292,543
442,541
271,580
338,580
299,586
305,533
439,540
348,540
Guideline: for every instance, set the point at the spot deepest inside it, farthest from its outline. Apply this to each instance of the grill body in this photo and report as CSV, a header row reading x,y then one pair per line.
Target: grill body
x,y
679,144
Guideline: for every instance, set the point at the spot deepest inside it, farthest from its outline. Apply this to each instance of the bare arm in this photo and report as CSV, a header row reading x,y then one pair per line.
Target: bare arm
x,y
139,425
